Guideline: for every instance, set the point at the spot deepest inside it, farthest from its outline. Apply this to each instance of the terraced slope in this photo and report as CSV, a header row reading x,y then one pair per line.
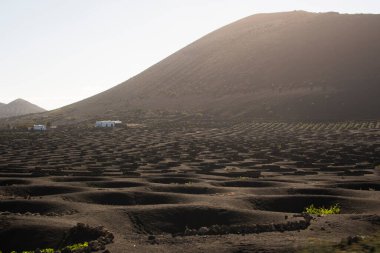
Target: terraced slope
x,y
240,188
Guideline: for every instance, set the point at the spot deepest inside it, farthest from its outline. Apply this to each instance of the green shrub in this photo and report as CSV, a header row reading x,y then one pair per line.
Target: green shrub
x,y
77,246
47,251
335,209
73,248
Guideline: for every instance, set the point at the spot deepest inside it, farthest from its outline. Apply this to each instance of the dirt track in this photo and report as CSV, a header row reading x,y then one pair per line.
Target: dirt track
x,y
237,188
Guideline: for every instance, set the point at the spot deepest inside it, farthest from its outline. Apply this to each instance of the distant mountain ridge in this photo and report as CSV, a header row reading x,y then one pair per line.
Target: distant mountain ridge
x,y
18,107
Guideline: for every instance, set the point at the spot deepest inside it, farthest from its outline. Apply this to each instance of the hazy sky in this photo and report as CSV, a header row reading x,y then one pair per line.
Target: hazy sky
x,y
55,52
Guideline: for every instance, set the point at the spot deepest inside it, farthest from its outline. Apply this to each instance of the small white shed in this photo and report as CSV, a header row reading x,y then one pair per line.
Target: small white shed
x,y
39,128
107,123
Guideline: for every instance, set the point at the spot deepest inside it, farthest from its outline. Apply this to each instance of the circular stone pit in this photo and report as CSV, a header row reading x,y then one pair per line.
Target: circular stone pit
x,y
298,203
124,198
34,207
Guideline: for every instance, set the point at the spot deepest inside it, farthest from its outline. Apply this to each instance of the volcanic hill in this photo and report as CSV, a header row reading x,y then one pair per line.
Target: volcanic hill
x,y
18,107
284,66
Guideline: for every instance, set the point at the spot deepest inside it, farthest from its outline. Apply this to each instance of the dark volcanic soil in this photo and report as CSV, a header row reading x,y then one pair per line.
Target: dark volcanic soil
x,y
237,188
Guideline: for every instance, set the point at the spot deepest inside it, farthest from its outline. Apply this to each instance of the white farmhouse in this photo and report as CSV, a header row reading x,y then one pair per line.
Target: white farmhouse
x,y
39,128
107,123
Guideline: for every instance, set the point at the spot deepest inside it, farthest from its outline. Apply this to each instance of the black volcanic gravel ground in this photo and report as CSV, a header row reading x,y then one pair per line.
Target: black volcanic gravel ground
x,y
237,188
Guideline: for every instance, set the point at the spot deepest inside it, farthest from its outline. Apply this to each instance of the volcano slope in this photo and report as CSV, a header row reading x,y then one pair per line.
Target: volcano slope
x,y
294,65
221,188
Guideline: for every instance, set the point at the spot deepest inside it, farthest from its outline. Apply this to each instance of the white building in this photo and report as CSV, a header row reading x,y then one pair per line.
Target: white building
x,y
107,123
39,128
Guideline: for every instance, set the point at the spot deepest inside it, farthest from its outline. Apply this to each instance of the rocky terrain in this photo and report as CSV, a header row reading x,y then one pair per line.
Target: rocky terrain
x,y
216,188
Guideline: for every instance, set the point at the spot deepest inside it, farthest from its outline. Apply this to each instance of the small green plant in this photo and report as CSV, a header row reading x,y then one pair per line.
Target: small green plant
x,y
71,248
335,209
47,251
77,246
